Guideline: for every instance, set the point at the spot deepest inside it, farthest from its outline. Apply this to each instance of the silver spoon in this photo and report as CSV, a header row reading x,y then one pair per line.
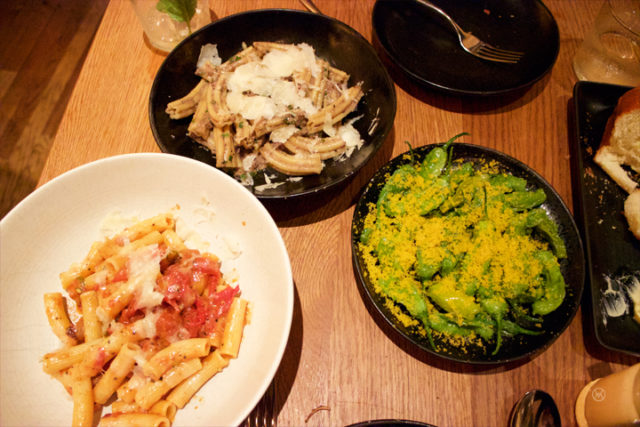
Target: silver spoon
x,y
311,7
535,409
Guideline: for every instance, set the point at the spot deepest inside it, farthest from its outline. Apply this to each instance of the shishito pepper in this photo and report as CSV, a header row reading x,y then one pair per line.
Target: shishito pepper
x,y
465,249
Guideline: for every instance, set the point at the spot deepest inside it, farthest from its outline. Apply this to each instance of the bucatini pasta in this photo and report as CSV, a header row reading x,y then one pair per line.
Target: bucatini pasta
x,y
146,323
271,104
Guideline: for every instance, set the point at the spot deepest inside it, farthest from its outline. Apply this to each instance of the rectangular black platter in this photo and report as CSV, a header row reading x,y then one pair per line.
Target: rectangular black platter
x,y
611,249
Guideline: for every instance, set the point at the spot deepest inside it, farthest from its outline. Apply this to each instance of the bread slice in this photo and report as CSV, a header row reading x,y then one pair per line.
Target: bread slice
x,y
632,212
620,143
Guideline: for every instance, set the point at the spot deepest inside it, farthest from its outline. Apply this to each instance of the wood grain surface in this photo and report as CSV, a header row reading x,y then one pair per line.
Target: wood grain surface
x,y
341,366
44,44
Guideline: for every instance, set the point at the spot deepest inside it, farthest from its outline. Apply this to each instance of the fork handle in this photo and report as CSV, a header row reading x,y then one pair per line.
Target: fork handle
x,y
441,12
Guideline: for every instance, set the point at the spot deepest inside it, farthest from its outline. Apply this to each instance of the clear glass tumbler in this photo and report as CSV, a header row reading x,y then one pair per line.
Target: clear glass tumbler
x,y
164,30
610,53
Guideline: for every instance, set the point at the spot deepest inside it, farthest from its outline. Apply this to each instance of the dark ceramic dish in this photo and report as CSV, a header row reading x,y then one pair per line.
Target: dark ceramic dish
x,y
572,267
332,40
425,47
611,249
390,423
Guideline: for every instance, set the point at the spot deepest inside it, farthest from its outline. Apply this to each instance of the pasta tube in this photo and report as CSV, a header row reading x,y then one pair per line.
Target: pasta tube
x,y
58,319
135,420
300,164
82,394
149,293
175,354
211,365
92,326
116,374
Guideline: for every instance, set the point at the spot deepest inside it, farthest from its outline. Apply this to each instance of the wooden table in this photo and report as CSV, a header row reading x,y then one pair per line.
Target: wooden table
x,y
340,366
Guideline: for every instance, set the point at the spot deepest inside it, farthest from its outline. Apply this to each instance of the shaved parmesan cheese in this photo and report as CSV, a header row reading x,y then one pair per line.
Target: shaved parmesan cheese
x,y
328,126
269,185
144,268
146,327
115,222
247,164
283,133
261,89
209,53
233,245
253,77
190,237
350,136
251,107
283,63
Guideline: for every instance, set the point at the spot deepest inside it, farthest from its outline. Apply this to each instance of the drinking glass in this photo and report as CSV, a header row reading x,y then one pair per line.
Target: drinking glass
x,y
612,401
162,29
610,53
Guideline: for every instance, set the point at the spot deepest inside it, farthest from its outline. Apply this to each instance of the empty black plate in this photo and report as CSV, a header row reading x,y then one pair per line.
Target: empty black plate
x,y
572,267
425,47
332,40
613,253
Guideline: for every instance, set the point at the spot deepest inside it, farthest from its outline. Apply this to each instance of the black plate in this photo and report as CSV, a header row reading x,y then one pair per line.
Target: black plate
x,y
572,267
390,423
611,249
332,40
425,47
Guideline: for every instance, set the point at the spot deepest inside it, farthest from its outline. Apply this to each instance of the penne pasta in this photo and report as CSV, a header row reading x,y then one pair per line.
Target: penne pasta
x,y
55,308
135,420
174,354
173,241
233,328
120,406
127,391
57,361
116,373
154,312
102,351
92,325
121,297
211,365
82,394
152,392
143,228
165,409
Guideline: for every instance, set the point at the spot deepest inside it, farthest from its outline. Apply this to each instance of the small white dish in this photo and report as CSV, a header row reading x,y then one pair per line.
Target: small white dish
x,y
55,226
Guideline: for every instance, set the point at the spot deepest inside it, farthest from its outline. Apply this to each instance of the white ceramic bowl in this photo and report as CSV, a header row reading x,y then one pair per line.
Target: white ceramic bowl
x,y
55,226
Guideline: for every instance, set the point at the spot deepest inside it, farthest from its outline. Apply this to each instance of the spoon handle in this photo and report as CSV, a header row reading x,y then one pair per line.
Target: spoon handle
x,y
311,7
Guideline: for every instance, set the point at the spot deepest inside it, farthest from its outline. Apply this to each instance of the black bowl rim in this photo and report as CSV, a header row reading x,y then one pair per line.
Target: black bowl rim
x,y
376,142
504,160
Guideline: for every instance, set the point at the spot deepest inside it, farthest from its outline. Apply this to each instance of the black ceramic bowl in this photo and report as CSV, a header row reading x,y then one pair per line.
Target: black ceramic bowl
x,y
332,40
573,267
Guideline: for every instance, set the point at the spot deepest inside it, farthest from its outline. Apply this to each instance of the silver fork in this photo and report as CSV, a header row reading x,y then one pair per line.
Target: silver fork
x,y
264,414
474,45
